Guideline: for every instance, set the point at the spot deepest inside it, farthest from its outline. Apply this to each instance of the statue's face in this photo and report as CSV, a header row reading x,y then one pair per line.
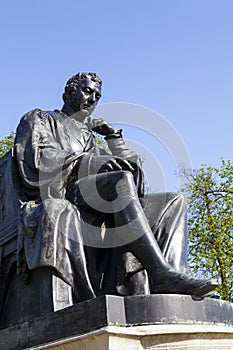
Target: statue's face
x,y
86,98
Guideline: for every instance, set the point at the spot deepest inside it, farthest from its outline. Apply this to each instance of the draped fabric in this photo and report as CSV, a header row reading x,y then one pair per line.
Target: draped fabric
x,y
53,151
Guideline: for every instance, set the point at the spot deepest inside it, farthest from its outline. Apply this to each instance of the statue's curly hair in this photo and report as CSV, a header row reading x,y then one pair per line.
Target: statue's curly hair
x,y
74,81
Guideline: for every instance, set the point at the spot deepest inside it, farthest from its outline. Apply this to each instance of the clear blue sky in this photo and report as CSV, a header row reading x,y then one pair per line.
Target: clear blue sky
x,y
173,56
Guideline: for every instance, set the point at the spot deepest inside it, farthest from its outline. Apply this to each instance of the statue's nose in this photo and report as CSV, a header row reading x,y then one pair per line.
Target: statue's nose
x,y
92,98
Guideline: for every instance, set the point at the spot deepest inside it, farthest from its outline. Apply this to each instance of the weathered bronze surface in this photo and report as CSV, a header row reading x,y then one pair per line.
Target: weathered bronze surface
x,y
66,190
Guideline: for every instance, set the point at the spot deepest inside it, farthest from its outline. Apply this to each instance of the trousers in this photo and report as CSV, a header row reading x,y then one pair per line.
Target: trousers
x,y
113,216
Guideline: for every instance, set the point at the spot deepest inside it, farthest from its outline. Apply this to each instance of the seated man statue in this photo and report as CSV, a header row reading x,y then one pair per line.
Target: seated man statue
x,y
72,190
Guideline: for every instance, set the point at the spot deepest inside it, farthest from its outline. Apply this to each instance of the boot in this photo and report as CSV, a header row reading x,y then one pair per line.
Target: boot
x,y
163,279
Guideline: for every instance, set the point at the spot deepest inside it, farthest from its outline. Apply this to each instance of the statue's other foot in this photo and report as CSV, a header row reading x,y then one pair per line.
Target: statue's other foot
x,y
213,294
173,282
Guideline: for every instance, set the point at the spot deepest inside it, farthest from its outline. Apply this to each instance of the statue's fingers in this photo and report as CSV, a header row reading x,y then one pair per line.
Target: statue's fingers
x,y
126,165
116,165
98,122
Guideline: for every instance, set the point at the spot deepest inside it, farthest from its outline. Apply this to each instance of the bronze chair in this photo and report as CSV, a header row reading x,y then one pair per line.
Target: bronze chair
x,y
29,294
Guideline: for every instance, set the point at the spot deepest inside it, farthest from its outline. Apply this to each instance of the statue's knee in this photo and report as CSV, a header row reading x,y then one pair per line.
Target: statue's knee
x,y
126,186
117,176
122,183
127,176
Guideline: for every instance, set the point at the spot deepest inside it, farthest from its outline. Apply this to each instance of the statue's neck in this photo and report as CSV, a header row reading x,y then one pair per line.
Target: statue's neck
x,y
73,114
67,110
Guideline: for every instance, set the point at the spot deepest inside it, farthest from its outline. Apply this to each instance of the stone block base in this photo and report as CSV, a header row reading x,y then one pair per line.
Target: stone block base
x,y
128,323
151,337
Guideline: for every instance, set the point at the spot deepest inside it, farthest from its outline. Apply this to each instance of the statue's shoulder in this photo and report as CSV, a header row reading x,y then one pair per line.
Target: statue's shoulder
x,y
37,115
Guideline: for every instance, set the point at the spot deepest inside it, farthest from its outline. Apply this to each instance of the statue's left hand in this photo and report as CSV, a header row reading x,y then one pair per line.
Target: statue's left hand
x,y
100,126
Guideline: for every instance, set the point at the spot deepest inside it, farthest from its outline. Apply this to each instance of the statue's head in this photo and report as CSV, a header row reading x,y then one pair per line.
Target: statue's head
x,y
82,92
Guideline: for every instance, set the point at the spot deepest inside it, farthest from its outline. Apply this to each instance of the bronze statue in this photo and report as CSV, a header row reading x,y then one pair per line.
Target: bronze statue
x,y
59,164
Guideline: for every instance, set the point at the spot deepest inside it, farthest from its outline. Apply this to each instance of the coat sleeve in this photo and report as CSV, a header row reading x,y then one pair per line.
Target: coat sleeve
x,y
42,159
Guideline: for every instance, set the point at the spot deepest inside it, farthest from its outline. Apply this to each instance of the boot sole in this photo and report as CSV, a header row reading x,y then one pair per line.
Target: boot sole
x,y
205,289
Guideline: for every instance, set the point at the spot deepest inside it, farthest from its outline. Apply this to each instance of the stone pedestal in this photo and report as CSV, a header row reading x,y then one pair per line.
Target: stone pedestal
x,y
139,322
150,337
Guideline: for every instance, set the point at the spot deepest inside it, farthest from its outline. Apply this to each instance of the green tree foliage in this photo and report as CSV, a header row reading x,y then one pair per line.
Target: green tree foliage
x,y
210,219
101,142
7,143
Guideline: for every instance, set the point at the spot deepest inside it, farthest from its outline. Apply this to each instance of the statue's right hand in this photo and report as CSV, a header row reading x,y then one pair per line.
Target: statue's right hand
x,y
100,126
